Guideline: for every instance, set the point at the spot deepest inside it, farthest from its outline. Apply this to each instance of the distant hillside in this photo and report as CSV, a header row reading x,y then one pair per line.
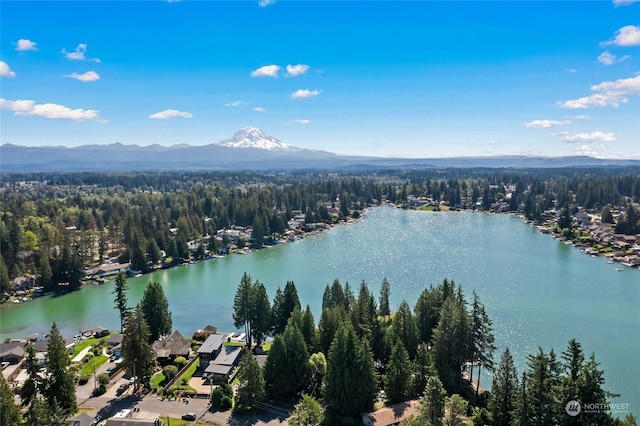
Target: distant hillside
x,y
248,149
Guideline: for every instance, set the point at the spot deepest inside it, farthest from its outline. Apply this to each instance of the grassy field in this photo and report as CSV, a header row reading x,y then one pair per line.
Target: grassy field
x,y
94,362
172,421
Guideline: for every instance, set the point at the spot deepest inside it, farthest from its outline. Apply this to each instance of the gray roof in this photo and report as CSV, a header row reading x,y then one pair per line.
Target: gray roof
x,y
222,370
228,355
212,344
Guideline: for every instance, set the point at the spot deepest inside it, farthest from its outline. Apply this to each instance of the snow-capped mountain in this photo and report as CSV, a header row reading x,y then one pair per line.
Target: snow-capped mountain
x,y
251,137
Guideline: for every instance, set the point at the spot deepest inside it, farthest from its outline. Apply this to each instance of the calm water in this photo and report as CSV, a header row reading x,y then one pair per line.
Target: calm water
x,y
538,291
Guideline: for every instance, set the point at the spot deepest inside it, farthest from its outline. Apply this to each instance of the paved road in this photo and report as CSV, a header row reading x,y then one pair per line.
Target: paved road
x,y
151,407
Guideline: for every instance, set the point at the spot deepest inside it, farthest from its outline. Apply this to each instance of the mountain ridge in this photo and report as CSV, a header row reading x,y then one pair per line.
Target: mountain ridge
x,y
249,149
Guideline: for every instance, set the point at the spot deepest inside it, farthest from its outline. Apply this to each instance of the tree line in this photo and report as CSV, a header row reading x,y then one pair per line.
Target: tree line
x,y
360,353
55,225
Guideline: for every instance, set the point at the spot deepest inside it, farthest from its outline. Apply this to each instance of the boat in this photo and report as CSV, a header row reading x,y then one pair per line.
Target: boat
x,y
618,269
610,261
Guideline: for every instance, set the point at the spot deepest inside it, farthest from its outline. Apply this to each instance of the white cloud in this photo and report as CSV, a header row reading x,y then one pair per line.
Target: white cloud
x,y
571,70
265,3
301,121
30,108
86,77
304,94
266,71
581,117
610,93
623,2
625,36
170,113
5,70
24,45
586,150
607,58
583,138
296,70
543,124
259,109
79,54
236,104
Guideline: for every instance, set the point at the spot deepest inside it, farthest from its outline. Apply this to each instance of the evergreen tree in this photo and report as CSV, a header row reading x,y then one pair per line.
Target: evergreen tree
x,y
120,290
455,408
350,383
427,312
5,283
9,411
364,312
397,380
243,306
503,391
422,369
432,403
404,327
155,308
590,390
137,353
481,339
34,381
59,387
251,387
308,329
330,321
385,291
450,340
287,369
261,325
539,390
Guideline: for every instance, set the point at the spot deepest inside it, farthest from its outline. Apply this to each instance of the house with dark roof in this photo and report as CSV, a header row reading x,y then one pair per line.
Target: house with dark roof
x,y
95,331
168,349
81,419
211,347
223,365
12,352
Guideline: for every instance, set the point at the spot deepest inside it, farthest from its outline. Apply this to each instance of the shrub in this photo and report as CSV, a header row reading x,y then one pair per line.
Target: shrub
x,y
82,380
180,362
169,372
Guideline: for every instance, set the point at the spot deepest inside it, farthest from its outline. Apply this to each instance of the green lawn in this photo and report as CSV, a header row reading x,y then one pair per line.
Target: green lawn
x,y
94,362
89,342
156,379
186,377
172,421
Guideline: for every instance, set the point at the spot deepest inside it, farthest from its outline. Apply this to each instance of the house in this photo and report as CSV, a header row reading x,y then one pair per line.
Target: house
x,y
25,282
115,339
108,269
81,419
96,332
224,364
211,347
172,347
391,415
12,352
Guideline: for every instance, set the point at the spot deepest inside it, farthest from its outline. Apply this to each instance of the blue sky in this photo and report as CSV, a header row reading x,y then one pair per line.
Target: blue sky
x,y
410,79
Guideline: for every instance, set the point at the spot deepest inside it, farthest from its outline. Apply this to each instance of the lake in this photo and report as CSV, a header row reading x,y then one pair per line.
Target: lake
x,y
537,290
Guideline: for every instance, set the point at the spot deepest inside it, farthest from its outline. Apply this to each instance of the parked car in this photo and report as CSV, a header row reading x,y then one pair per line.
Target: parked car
x,y
189,416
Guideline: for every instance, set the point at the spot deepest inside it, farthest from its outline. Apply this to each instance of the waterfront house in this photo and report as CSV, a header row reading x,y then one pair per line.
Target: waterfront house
x,y
96,332
224,364
211,347
391,415
12,352
168,349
